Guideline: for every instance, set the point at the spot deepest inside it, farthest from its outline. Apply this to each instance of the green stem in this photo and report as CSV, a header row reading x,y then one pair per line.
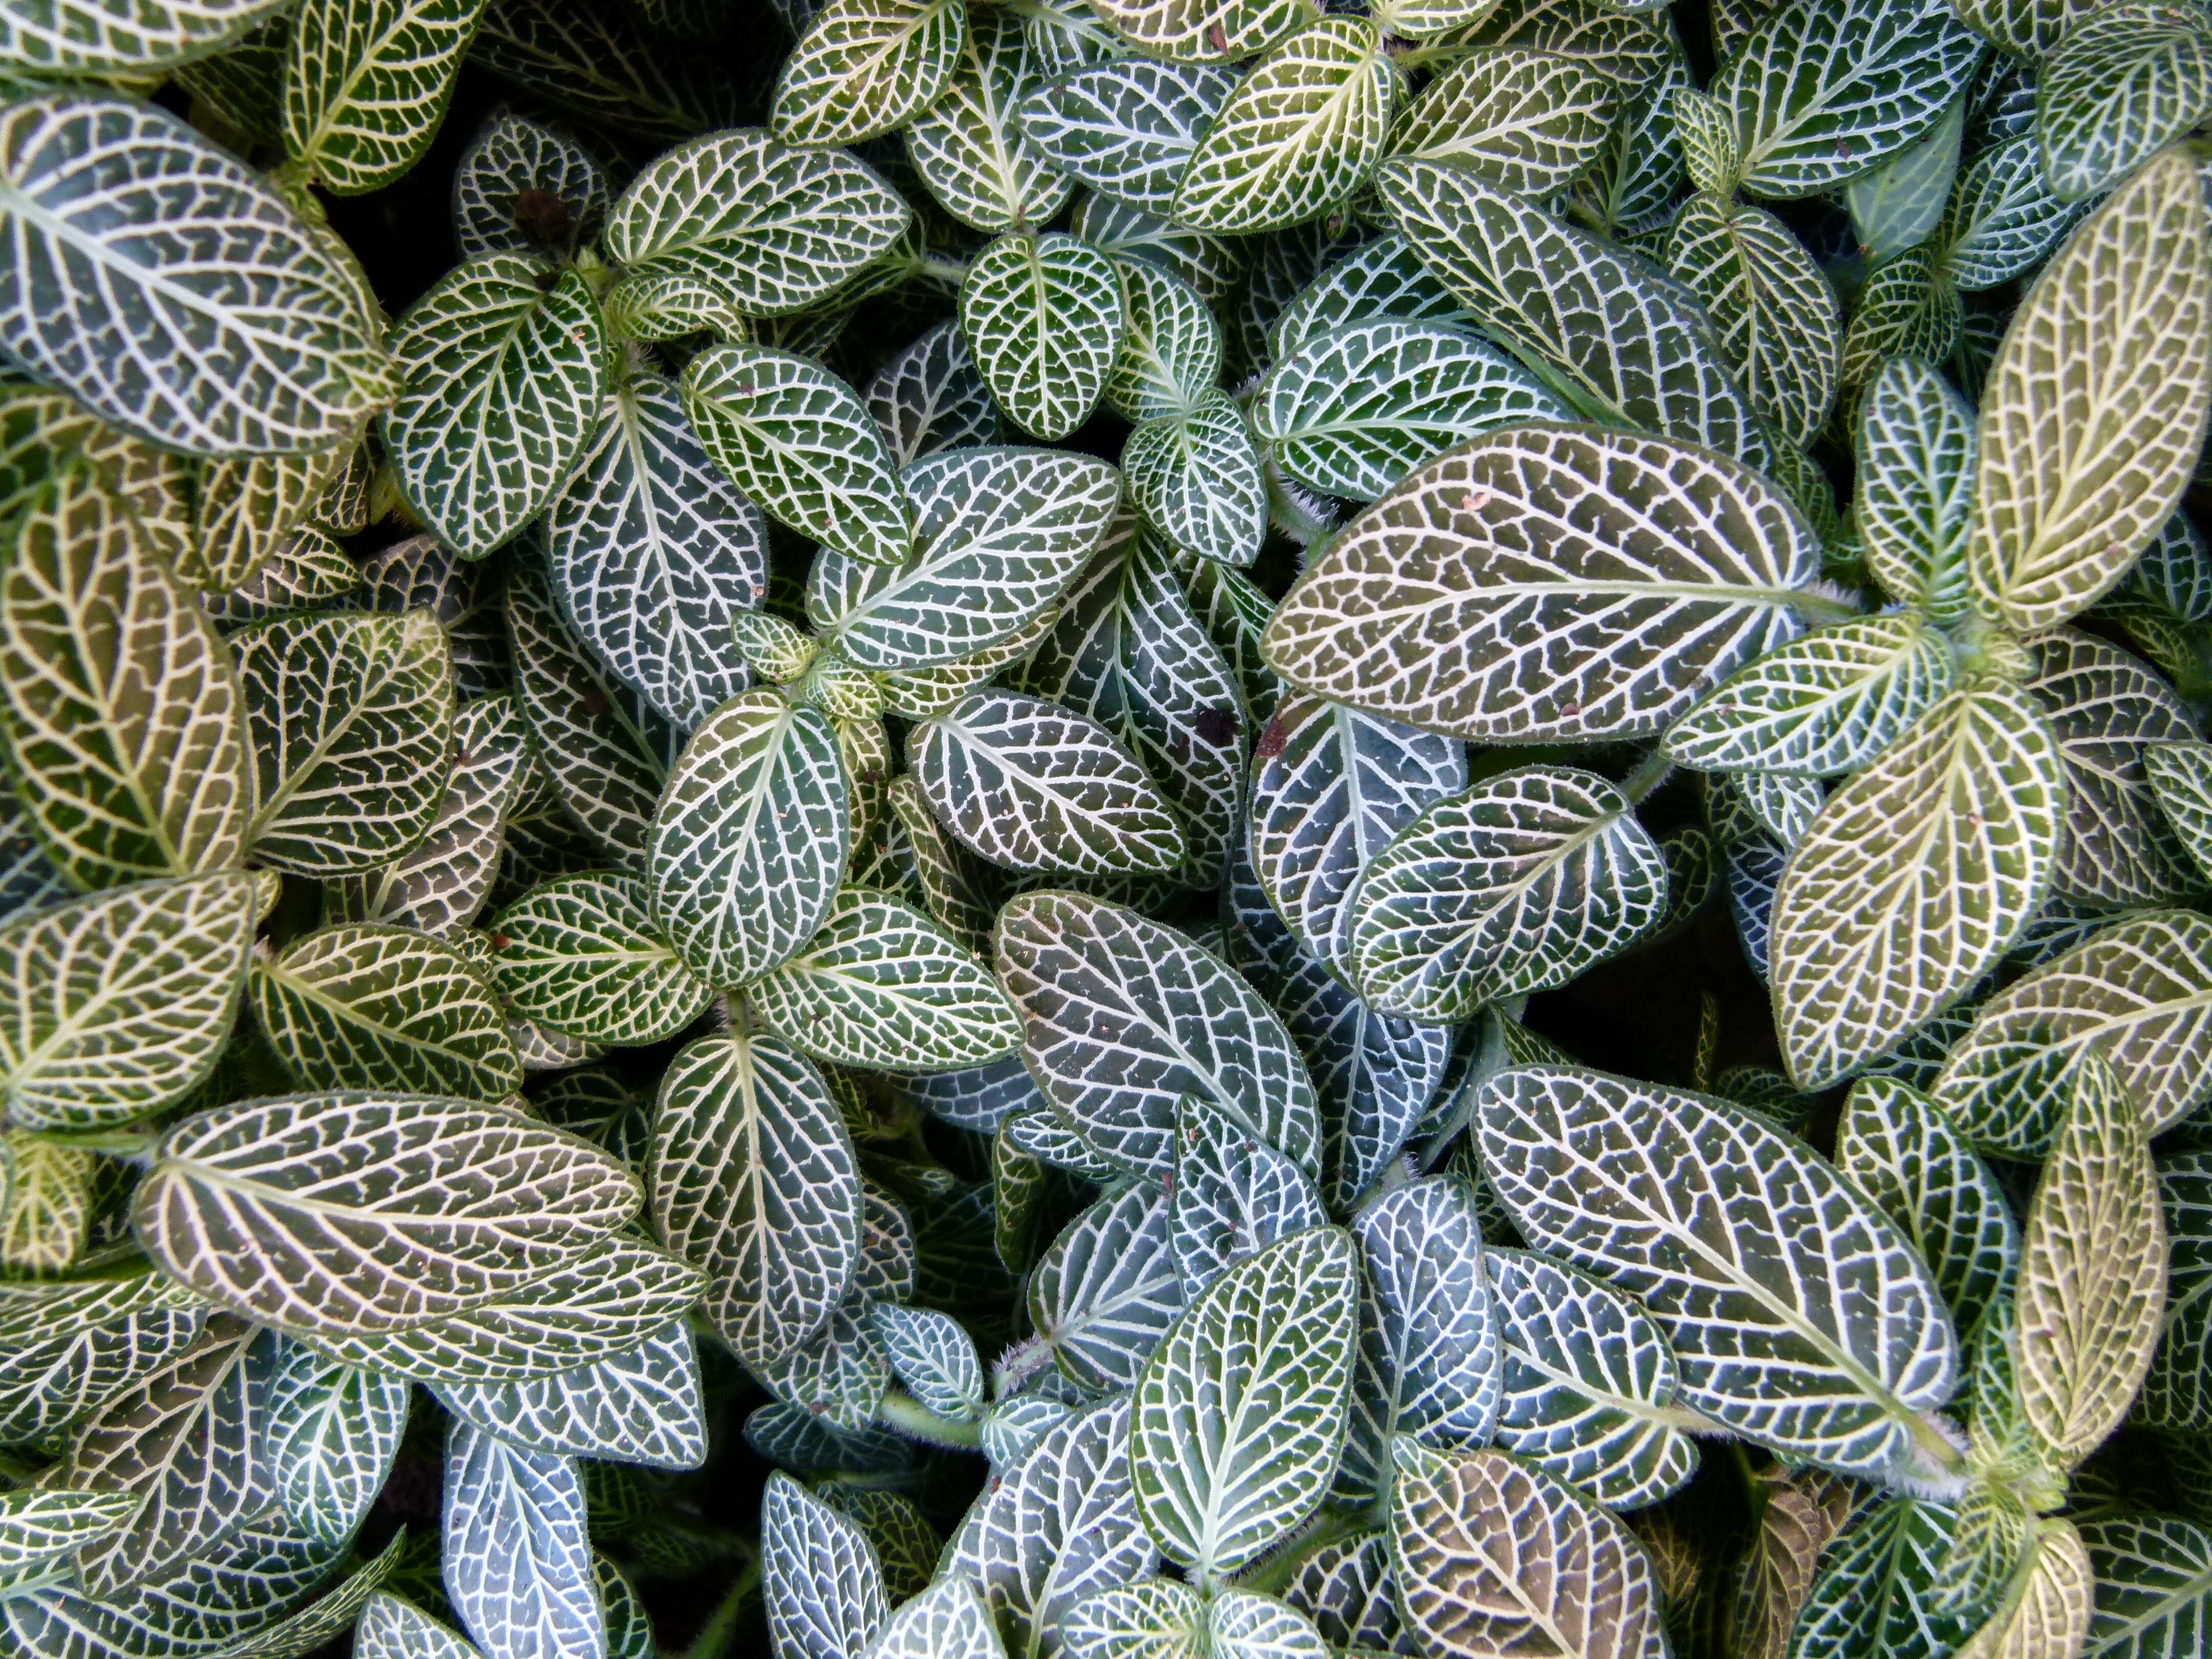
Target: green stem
x,y
715,1635
1646,775
1272,1574
902,1414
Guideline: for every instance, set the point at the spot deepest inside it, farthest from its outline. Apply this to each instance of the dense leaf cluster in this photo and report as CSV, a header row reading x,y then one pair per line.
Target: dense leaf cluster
x,y
885,792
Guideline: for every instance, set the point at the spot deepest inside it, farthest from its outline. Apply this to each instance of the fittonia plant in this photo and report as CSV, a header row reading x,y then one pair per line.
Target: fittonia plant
x,y
940,777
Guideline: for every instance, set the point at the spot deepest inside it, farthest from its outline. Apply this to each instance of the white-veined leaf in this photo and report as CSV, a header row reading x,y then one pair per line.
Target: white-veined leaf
x,y
999,534
2002,218
932,397
1300,134
2094,407
71,36
1057,1525
823,1584
1196,31
1774,314
1638,571
865,67
1042,315
1824,91
881,986
1355,408
750,839
1031,786
1127,1016
1197,478
1240,1411
366,86
1824,704
773,227
753,1180
1900,1151
1828,1340
222,325
436,1206
2126,80
1382,278
1916,876
1515,886
1494,1557
330,1436
934,1357
580,955
641,1406
39,1530
364,1007
71,1345
113,1006
1530,121
120,707
1634,350
524,187
1105,1292
2177,1391
1231,1197
392,1629
504,372
2153,1578
349,719
1170,352
653,552
517,1561
1590,1384
1161,1618
795,437
2092,1271
1876,1594
1126,128
1896,205
971,148
1916,452
1347,1589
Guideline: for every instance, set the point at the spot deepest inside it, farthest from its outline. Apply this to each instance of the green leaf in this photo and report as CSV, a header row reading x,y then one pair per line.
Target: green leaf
x,y
1494,1557
1031,786
73,1345
606,754
439,1206
1170,352
1876,1594
1823,92
580,955
1590,1384
121,709
2175,1391
1896,205
1160,1616
947,1620
1681,571
246,511
504,373
1352,410
183,1443
795,437
593,61
1916,467
367,86
114,1006
1905,309
1429,1365
1299,135
773,228
1000,534
1108,1289
1127,128
1232,1197
1677,1199
865,67
1241,1410
2180,776
1197,477
208,318
1775,316
439,884
350,720
330,1436
517,1558
641,1406
44,1220
523,186
2002,218
1381,279
1825,704
392,1629
2153,1575
1917,875
2108,712
971,148
1042,315
822,1585
2092,1271
362,1007
72,36
934,1357
2087,442
654,554
1127,1016
1900,1151
330,1617
753,1180
2126,80
1347,1589
1515,886
1530,121
1633,187
930,397
1213,266
1635,354
1059,1524
881,986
